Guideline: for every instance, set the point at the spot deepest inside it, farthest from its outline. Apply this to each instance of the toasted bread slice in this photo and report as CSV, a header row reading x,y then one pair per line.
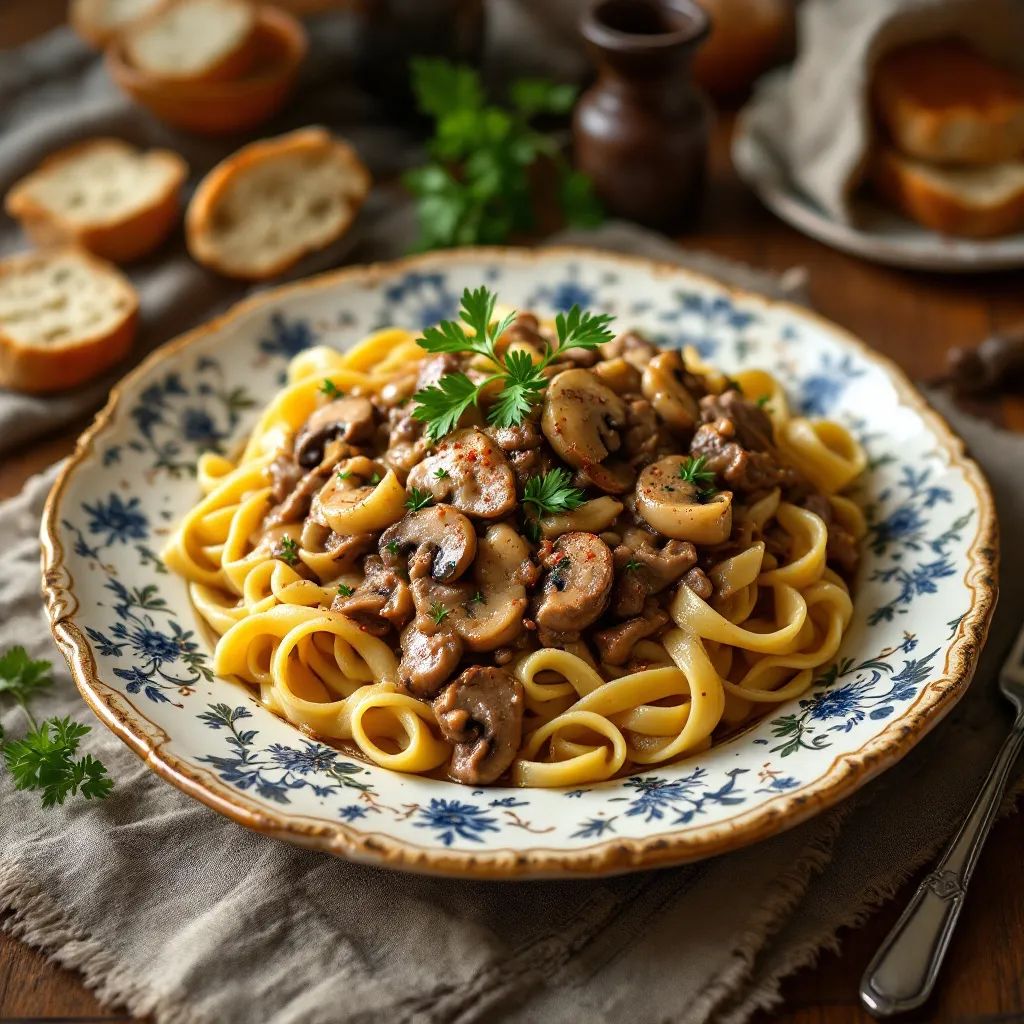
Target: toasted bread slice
x,y
99,21
978,202
263,208
103,194
65,316
943,101
195,41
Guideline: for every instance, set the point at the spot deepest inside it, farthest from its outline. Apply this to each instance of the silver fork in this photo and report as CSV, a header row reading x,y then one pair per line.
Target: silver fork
x,y
904,970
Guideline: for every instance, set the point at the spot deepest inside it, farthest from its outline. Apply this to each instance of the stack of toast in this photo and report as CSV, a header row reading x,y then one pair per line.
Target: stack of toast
x,y
951,155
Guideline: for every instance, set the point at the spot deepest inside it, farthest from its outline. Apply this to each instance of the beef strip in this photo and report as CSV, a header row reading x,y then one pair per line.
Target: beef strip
x,y
615,644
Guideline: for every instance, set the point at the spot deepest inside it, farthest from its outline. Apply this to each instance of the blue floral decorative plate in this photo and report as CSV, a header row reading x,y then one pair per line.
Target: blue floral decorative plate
x,y
923,597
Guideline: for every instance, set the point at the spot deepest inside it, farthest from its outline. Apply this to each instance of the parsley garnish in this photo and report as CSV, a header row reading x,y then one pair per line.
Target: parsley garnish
x,y
632,565
763,401
438,613
441,473
391,547
330,389
477,186
375,479
344,590
287,550
418,499
477,598
44,759
344,474
441,406
550,494
693,472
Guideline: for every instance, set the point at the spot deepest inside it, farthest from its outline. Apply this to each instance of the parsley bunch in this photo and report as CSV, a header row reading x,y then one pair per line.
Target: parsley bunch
x,y
44,759
549,494
476,187
441,405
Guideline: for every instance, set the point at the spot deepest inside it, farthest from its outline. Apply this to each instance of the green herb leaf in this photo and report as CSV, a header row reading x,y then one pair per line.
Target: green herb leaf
x,y
441,473
693,471
438,612
287,550
524,383
344,474
632,565
580,204
21,677
551,493
532,96
477,598
330,389
419,499
577,329
344,590
391,547
45,760
442,87
763,400
442,404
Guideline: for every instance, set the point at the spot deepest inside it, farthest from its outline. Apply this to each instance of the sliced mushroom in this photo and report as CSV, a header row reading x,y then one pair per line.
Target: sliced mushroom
x,y
348,419
382,600
632,347
428,659
582,420
489,612
481,712
577,584
440,538
592,516
348,506
674,506
470,472
664,388
621,376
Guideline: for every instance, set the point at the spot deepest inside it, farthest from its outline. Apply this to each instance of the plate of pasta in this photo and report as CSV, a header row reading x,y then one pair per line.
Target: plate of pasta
x,y
501,562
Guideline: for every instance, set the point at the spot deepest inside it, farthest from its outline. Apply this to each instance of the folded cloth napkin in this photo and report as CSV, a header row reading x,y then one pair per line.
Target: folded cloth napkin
x,y
815,115
177,913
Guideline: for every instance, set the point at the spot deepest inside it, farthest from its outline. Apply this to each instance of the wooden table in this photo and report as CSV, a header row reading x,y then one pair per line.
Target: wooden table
x,y
914,318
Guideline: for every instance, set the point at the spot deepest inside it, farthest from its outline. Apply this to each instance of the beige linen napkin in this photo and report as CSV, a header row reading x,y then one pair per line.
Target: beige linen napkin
x,y
814,115
176,912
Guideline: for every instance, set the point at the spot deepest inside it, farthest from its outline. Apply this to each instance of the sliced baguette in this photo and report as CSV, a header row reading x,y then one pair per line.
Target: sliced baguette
x,y
943,101
195,41
272,202
104,195
977,202
99,21
65,316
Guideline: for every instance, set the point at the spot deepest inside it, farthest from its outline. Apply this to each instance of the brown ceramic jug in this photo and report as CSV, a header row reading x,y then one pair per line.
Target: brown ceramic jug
x,y
641,131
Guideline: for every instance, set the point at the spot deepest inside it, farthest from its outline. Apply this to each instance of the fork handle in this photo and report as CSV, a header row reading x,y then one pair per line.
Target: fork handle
x,y
902,973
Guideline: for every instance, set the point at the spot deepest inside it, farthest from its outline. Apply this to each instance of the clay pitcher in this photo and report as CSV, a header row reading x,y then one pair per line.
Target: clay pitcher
x,y
641,131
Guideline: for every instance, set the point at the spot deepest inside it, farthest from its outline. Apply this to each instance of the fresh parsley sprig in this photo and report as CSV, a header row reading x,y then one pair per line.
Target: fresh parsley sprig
x,y
551,493
45,758
477,187
442,405
418,499
694,471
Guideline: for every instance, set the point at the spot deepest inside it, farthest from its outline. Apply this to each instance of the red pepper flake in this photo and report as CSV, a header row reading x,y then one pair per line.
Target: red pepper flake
x,y
471,456
590,556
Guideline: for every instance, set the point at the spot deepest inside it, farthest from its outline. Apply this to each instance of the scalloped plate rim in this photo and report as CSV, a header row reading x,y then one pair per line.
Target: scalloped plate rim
x,y
846,772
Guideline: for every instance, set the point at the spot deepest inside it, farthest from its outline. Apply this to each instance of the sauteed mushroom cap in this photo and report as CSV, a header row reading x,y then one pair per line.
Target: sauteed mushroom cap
x,y
441,532
678,508
577,584
348,419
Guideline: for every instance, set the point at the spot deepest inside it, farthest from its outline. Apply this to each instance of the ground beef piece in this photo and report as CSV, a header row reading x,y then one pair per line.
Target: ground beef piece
x,y
697,581
751,425
842,549
740,469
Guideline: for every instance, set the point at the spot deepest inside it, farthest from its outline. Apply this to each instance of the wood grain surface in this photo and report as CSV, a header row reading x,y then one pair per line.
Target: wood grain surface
x,y
914,318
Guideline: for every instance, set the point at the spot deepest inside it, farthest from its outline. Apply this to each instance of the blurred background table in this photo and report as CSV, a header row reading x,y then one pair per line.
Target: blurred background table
x,y
914,318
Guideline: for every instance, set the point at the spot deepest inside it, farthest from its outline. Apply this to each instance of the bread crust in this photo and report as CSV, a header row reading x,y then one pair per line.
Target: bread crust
x,y
201,212
122,240
942,101
920,199
41,369
235,63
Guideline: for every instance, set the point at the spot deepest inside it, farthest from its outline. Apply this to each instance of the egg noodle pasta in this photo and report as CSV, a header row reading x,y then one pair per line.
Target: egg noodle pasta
x,y
620,572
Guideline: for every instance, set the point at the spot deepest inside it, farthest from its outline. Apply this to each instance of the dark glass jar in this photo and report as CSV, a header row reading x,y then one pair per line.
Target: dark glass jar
x,y
641,131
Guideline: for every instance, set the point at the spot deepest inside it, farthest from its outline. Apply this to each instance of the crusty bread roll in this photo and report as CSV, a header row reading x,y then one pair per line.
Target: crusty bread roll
x,y
978,202
943,101
98,21
195,41
65,316
260,210
104,195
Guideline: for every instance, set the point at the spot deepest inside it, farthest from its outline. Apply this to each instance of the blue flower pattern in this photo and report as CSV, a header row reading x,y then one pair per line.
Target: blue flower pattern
x,y
912,540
